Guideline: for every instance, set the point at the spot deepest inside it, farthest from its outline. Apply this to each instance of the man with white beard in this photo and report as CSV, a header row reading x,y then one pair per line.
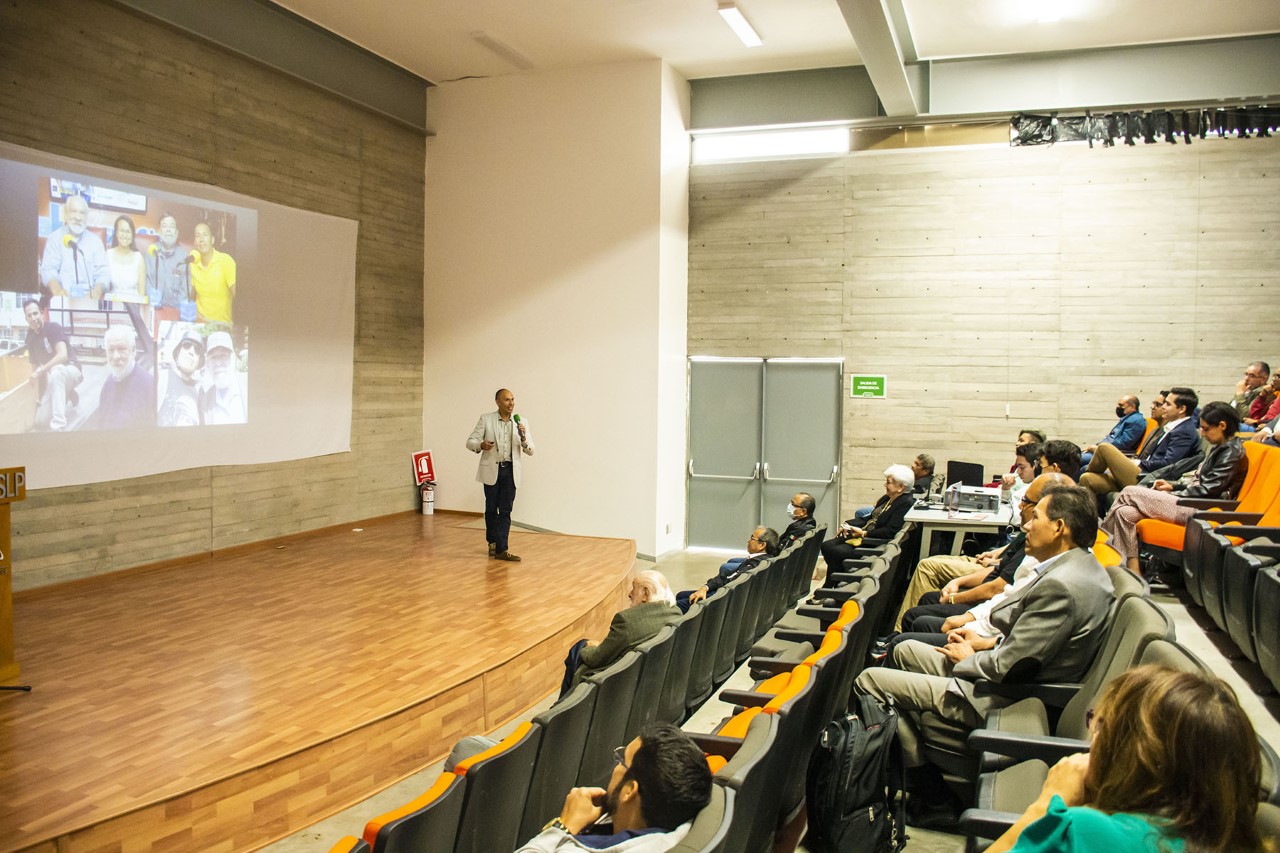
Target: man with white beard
x,y
74,262
221,401
128,397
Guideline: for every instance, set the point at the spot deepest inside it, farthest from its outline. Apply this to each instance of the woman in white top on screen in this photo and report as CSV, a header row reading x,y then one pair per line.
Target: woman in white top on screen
x,y
128,274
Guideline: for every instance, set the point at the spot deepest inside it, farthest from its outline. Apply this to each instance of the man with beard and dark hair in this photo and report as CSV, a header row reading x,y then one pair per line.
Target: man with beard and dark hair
x,y
659,784
54,369
128,396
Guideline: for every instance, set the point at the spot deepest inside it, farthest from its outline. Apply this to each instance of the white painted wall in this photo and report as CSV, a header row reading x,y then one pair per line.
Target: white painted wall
x,y
546,272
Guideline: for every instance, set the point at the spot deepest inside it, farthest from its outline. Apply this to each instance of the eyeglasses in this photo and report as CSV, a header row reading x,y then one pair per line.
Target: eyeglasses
x,y
1029,502
620,756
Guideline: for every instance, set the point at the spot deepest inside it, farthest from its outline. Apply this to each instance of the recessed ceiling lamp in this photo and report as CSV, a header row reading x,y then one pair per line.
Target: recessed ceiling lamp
x,y
739,24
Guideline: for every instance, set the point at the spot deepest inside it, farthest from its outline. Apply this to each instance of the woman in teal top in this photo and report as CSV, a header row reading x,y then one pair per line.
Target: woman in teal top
x,y
1174,767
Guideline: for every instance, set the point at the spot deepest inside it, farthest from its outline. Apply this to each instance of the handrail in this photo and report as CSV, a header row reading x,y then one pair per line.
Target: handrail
x,y
835,469
754,474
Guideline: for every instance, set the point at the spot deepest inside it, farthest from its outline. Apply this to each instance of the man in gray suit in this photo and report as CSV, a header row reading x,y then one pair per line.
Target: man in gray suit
x,y
500,439
1050,629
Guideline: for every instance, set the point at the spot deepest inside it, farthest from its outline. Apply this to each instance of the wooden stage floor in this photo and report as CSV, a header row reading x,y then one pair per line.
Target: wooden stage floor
x,y
224,703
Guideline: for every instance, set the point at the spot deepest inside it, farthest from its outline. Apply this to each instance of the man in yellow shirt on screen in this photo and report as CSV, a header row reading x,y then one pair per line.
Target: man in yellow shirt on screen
x,y
213,279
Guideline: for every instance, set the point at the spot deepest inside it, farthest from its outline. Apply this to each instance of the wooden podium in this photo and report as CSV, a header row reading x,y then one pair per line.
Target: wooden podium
x,y
13,487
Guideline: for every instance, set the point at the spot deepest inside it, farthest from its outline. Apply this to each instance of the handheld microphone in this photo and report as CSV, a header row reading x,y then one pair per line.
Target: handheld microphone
x,y
151,250
189,259
516,418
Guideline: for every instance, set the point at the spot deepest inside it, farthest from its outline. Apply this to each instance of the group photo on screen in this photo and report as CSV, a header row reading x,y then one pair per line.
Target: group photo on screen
x,y
129,319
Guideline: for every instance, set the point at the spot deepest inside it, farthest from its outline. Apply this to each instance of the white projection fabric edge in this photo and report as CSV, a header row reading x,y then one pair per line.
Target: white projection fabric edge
x,y
267,289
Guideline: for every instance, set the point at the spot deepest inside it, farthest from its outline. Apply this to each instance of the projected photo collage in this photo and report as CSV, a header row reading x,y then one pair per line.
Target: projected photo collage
x,y
129,320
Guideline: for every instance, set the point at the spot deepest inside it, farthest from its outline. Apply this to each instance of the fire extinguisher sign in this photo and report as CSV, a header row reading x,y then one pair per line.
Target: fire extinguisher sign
x,y
422,467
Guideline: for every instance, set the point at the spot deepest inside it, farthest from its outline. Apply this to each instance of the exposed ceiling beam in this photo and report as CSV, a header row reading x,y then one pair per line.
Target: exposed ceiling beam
x,y
873,32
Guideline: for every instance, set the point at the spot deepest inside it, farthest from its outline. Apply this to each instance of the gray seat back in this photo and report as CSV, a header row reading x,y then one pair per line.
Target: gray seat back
x,y
617,690
497,788
750,773
432,826
564,734
671,706
656,654
1135,622
711,827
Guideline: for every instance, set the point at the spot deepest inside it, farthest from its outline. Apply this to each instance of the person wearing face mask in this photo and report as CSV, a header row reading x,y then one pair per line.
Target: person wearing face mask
x,y
221,401
1110,470
74,261
802,521
180,385
1126,435
127,400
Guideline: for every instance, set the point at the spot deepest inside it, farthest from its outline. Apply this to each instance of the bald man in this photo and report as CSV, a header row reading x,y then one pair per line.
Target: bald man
x,y
1126,435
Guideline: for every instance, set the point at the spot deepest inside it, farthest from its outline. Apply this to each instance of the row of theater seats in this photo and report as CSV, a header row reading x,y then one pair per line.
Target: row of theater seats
x,y
1226,556
503,796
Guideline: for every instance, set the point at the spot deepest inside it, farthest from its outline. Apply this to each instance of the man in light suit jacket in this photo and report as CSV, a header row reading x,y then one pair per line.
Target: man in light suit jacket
x,y
1050,629
499,439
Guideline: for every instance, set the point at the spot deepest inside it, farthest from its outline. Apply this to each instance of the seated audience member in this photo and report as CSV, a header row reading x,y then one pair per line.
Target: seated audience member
x,y
1266,406
763,543
1013,485
1250,387
1030,436
1052,628
887,518
659,784
653,605
1174,765
982,584
128,396
1266,432
801,510
922,466
1127,434
1220,475
1060,457
1110,470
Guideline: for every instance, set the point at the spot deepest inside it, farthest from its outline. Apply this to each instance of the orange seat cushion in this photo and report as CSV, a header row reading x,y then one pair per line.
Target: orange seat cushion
x,y
501,746
737,725
1164,534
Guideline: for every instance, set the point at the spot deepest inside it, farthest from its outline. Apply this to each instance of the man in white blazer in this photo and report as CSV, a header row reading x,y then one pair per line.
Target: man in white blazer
x,y
499,439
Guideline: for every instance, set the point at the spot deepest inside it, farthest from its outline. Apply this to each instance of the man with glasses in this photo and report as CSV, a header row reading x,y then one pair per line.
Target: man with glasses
x,y
763,543
1253,383
660,782
960,595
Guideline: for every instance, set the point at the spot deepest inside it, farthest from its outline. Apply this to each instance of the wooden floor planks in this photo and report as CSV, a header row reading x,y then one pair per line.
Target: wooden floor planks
x,y
224,703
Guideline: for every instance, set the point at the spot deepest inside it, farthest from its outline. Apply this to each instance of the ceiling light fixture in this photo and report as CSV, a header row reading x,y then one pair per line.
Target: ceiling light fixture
x,y
739,24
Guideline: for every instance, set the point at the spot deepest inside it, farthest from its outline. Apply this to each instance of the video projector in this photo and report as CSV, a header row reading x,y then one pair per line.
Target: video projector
x,y
973,498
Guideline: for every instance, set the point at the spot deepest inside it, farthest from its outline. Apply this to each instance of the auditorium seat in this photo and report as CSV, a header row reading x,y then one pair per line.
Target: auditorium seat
x,y
1266,624
1104,553
1240,567
656,657
1214,542
429,822
671,704
750,616
739,589
1003,796
350,844
1152,423
1041,708
616,690
710,828
752,757
1263,489
702,670
498,782
564,735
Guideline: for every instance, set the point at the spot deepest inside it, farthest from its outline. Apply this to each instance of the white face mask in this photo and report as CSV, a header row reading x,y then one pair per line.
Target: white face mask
x,y
791,509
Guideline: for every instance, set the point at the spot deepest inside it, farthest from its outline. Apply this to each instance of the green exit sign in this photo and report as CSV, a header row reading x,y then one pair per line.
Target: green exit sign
x,y
867,386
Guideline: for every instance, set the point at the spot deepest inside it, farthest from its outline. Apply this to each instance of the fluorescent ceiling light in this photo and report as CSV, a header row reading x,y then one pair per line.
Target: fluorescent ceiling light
x,y
807,142
739,24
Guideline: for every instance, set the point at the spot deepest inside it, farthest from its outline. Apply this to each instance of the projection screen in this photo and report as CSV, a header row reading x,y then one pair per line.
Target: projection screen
x,y
151,325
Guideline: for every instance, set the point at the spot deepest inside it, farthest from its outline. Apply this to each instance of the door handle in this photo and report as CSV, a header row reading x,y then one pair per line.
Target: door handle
x,y
755,473
835,469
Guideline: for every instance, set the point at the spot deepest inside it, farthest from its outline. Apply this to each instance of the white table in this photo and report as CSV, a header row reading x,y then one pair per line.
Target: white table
x,y
960,522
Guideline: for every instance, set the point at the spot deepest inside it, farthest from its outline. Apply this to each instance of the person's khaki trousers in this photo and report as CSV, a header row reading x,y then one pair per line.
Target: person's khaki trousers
x,y
1110,471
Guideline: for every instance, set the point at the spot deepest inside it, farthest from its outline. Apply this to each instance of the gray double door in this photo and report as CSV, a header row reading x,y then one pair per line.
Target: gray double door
x,y
760,430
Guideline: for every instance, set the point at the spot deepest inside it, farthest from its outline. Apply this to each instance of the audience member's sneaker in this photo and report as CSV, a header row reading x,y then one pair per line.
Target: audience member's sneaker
x,y
493,549
507,556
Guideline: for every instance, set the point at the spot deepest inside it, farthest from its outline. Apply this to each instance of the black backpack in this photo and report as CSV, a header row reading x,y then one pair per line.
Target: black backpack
x,y
855,783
